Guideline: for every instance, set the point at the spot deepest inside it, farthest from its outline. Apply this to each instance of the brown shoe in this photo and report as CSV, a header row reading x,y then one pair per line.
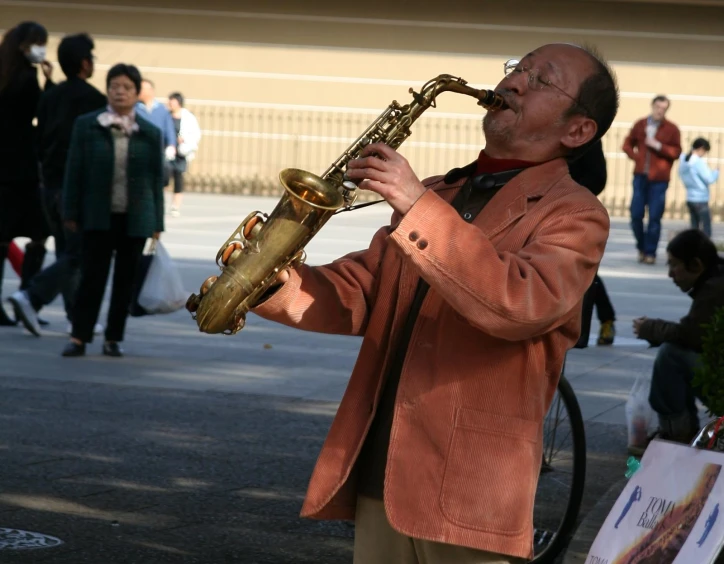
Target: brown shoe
x,y
649,260
642,257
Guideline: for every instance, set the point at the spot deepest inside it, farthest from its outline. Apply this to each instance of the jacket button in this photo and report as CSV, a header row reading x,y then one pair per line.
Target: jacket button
x,y
414,236
421,244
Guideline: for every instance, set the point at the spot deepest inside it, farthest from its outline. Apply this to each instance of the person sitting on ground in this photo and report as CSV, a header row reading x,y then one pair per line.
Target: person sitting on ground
x,y
696,268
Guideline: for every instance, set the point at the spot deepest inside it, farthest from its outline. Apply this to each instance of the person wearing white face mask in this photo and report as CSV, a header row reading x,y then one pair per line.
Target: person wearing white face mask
x,y
21,210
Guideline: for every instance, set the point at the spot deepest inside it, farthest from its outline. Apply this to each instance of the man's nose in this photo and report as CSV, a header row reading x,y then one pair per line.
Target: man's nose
x,y
516,82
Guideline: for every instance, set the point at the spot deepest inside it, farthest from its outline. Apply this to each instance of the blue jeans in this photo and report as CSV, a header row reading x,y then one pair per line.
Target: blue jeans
x,y
652,195
700,216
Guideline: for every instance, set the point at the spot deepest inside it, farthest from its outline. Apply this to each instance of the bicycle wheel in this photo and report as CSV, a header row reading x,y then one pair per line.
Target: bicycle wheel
x,y
562,476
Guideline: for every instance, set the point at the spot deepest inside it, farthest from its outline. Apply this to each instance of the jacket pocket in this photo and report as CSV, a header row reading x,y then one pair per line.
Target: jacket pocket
x,y
491,472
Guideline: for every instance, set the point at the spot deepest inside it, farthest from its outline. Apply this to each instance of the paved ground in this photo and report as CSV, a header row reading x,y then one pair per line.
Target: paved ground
x,y
197,448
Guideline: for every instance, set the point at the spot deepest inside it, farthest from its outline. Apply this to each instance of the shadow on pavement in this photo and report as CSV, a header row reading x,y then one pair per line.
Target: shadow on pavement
x,y
139,475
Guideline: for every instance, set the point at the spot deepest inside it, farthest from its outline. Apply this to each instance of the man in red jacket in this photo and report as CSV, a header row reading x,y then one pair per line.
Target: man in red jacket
x,y
653,143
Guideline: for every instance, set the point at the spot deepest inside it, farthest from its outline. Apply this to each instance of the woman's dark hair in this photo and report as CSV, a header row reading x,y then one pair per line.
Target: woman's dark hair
x,y
12,58
129,71
72,51
178,97
699,143
694,244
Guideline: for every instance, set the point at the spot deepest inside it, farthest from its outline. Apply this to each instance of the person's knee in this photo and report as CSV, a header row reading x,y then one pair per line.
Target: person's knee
x,y
672,368
668,354
637,209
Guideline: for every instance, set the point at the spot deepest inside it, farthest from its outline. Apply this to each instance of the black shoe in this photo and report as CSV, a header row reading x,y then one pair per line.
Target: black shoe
x,y
112,349
5,321
43,322
74,349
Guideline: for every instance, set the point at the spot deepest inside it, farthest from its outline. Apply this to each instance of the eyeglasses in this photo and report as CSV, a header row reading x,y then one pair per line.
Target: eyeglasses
x,y
537,81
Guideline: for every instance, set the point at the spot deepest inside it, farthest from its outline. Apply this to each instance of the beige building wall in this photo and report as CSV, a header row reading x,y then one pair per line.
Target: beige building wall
x,y
292,83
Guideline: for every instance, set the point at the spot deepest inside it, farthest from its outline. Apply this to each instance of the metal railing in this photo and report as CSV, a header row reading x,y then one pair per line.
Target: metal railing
x,y
245,146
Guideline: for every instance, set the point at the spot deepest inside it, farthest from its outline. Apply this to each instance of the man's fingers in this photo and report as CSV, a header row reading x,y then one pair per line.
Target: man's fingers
x,y
367,162
380,149
374,186
367,174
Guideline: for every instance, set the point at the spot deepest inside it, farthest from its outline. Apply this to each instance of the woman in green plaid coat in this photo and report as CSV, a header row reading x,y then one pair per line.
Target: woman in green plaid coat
x,y
113,193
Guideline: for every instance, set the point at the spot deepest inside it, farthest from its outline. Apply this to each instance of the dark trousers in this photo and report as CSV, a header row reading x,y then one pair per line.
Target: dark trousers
x,y
597,296
700,216
98,248
178,181
672,395
651,195
63,276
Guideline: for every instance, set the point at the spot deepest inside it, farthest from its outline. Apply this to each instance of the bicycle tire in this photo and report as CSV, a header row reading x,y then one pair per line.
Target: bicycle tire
x,y
578,433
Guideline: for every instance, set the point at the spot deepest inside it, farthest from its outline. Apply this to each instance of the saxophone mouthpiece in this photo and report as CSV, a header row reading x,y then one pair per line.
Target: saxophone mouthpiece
x,y
491,100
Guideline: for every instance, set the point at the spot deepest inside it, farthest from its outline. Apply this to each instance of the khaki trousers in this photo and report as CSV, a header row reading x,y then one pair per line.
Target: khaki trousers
x,y
376,542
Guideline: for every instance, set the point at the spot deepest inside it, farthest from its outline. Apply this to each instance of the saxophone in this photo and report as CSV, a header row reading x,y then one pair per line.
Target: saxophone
x,y
264,245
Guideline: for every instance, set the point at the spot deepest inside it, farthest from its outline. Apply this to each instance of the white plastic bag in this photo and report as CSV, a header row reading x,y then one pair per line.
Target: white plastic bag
x,y
162,290
641,419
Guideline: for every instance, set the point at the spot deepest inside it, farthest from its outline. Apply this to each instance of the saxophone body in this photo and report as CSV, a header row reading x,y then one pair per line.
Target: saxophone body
x,y
264,245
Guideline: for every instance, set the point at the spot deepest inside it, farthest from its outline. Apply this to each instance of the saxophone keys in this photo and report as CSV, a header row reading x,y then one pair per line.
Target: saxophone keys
x,y
192,304
252,227
206,286
298,259
237,323
229,251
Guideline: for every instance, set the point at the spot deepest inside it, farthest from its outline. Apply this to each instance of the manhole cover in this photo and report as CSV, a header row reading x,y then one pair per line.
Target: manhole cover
x,y
15,539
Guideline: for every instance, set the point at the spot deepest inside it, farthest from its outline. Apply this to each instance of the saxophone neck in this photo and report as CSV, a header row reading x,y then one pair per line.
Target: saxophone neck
x,y
488,99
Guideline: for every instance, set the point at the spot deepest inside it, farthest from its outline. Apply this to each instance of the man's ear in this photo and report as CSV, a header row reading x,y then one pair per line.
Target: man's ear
x,y
579,131
697,266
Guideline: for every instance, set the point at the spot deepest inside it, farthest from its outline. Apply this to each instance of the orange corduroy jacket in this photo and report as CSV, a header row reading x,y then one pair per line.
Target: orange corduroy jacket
x,y
484,359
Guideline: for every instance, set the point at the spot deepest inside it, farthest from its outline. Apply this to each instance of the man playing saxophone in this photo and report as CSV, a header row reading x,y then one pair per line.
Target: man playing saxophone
x,y
467,301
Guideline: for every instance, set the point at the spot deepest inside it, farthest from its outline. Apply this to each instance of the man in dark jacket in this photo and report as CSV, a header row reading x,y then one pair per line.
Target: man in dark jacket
x,y
589,170
57,111
696,268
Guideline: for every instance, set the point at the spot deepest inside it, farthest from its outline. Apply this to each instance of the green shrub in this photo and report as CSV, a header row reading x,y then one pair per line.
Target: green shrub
x,y
709,375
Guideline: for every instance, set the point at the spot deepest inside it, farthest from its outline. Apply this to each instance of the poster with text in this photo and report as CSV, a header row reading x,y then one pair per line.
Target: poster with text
x,y
670,512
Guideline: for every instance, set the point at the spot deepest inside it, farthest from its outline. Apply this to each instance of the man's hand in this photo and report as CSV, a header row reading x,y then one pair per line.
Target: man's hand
x,y
388,174
71,225
637,323
653,144
156,235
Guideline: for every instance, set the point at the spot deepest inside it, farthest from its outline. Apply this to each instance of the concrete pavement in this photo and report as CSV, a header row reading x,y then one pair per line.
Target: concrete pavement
x,y
200,446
